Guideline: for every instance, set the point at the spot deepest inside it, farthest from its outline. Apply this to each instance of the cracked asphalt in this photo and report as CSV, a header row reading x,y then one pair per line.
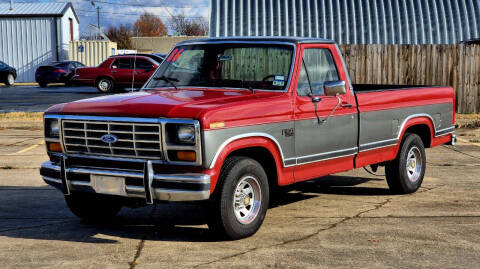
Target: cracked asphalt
x,y
348,220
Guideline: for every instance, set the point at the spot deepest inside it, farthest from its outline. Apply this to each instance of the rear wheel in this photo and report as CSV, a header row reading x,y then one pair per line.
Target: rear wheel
x,y
239,206
10,80
405,173
42,84
105,85
93,208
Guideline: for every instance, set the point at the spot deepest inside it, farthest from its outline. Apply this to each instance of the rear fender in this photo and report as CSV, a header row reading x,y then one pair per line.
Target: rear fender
x,y
420,120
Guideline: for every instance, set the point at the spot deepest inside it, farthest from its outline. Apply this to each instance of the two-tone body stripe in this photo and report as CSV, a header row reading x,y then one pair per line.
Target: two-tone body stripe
x,y
394,141
331,154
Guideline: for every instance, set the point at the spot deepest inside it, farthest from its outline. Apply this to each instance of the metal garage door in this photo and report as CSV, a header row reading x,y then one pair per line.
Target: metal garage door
x,y
26,43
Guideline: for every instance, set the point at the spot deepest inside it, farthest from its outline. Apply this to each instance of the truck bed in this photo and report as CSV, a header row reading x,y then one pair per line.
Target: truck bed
x,y
385,109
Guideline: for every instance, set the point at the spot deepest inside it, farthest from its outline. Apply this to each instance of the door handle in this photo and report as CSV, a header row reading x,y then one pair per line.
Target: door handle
x,y
346,105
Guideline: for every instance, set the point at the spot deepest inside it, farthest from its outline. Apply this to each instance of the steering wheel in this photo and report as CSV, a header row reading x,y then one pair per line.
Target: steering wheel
x,y
267,77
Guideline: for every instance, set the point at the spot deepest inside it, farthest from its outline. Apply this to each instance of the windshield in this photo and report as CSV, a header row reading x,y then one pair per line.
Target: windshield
x,y
256,66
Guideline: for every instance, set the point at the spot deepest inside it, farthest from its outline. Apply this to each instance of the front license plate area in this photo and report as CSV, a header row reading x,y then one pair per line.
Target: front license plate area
x,y
108,184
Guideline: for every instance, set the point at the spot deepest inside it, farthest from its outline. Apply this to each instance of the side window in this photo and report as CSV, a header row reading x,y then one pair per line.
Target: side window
x,y
122,63
143,64
318,67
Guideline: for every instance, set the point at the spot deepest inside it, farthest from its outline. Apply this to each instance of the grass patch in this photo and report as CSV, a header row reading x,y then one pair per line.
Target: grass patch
x,y
470,121
21,116
7,167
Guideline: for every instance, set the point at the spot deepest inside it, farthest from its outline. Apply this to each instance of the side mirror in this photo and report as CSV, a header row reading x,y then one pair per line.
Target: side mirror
x,y
334,88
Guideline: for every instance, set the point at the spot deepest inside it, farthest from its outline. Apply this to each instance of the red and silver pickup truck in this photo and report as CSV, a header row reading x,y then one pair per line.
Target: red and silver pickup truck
x,y
229,119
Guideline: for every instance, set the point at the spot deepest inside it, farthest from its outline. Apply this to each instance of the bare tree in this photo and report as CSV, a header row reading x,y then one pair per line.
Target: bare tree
x,y
181,25
149,25
121,35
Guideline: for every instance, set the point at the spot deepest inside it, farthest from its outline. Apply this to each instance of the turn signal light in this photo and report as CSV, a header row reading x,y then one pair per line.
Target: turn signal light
x,y
188,156
54,147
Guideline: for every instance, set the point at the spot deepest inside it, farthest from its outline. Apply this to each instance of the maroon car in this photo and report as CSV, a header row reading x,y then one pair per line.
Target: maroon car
x,y
117,72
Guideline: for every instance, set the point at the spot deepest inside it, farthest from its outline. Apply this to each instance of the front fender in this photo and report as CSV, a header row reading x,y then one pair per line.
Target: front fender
x,y
251,142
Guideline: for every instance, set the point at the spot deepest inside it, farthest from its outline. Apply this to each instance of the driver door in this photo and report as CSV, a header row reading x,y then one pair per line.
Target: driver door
x,y
325,126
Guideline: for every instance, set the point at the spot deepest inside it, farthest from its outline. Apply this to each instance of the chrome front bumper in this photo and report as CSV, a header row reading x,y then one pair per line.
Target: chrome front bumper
x,y
146,184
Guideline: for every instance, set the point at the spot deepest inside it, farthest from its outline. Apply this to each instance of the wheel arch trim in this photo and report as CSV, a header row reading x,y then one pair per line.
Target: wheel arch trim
x,y
232,139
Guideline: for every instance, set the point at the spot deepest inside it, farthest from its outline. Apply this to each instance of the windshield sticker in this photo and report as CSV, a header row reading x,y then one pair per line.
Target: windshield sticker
x,y
223,58
279,81
177,55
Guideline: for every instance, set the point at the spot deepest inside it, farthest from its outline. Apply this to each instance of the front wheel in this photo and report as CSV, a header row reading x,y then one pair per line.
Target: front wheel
x,y
405,173
10,80
105,85
239,206
93,208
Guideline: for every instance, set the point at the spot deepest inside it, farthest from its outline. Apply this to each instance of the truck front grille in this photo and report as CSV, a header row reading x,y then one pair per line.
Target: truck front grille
x,y
138,140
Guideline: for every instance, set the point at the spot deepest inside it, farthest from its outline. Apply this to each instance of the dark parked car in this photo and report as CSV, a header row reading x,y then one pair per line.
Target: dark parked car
x,y
8,74
56,72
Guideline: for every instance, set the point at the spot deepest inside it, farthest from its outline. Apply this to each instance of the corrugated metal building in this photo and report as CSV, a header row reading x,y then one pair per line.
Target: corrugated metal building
x,y
350,21
32,34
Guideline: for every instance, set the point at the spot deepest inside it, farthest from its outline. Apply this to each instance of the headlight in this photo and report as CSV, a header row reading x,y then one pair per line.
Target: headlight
x,y
52,128
186,134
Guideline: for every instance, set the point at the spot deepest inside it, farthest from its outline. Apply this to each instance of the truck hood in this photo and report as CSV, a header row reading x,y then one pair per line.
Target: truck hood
x,y
182,103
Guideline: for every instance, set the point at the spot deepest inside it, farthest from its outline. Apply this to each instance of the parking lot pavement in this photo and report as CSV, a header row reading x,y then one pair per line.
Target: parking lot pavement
x,y
347,220
36,99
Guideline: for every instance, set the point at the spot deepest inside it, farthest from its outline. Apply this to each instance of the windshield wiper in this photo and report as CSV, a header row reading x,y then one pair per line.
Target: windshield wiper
x,y
168,80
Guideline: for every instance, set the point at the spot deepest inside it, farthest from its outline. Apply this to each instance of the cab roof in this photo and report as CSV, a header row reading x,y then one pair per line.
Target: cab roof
x,y
260,39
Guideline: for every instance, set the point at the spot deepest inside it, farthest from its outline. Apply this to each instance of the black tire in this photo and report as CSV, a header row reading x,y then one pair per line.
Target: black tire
x,y
93,208
42,84
9,80
223,220
400,178
105,85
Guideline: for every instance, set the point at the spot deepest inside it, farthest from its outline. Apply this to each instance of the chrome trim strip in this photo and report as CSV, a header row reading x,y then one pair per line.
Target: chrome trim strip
x,y
184,178
378,144
330,158
80,183
51,179
336,154
51,166
445,131
260,42
104,172
181,195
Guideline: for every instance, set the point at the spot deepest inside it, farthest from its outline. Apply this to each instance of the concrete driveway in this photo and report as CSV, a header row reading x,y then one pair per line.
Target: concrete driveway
x,y
349,220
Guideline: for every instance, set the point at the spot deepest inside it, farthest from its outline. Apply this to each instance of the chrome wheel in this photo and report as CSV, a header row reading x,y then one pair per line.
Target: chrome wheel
x,y
105,85
414,164
10,79
247,199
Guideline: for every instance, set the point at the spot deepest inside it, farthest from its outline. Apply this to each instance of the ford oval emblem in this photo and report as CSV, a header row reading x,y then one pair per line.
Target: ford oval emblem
x,y
109,138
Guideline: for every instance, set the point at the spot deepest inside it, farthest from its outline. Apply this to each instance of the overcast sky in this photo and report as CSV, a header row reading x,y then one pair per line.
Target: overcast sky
x,y
115,12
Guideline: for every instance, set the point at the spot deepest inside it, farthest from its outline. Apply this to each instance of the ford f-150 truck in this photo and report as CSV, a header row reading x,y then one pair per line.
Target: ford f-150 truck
x,y
229,119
